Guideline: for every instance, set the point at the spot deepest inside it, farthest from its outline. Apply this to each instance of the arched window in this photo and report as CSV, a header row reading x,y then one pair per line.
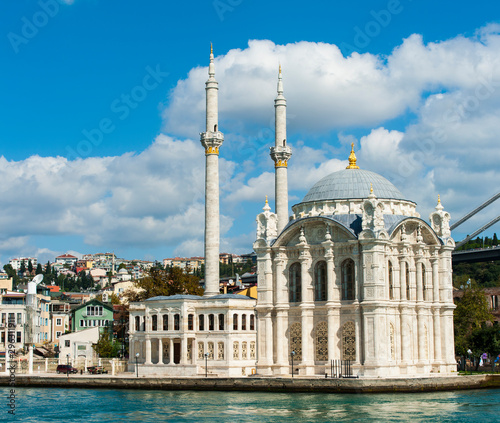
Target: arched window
x,y
235,322
243,350
244,322
190,321
349,341
408,292
348,279
322,341
252,322
177,322
221,322
295,284
391,283
320,281
236,350
165,322
137,323
201,350
220,351
210,351
211,322
154,322
201,322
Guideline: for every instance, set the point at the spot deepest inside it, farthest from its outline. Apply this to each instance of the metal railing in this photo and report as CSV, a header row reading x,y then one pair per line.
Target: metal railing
x,y
341,369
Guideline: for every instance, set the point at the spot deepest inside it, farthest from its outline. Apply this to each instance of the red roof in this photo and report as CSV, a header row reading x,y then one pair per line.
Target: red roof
x,y
66,256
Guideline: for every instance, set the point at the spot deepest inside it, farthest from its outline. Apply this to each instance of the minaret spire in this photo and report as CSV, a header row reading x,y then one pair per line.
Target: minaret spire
x,y
280,153
212,139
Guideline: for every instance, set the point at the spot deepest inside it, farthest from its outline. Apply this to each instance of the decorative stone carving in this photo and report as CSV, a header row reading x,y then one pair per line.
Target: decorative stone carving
x,y
440,221
267,224
373,214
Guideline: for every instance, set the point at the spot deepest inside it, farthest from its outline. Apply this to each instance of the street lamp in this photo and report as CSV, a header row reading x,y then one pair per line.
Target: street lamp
x,y
136,366
292,354
67,358
206,364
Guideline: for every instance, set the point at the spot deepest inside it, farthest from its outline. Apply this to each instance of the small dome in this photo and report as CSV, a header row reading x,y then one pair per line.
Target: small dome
x,y
352,184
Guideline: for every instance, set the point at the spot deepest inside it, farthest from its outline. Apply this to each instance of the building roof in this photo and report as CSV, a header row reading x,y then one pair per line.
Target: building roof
x,y
175,297
352,184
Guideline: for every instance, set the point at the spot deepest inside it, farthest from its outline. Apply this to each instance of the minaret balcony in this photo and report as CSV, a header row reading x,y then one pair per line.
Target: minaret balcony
x,y
280,153
211,140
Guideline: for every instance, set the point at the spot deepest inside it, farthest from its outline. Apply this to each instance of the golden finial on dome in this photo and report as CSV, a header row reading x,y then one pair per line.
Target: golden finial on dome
x,y
211,49
266,200
371,188
352,159
439,199
280,69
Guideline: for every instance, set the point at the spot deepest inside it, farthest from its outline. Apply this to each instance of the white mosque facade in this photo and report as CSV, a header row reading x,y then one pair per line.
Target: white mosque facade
x,y
354,274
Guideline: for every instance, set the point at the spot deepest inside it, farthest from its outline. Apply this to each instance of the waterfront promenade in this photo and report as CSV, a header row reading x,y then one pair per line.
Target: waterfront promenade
x,y
296,384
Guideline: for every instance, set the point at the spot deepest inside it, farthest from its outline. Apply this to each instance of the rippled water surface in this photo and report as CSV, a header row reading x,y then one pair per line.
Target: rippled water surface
x,y
89,405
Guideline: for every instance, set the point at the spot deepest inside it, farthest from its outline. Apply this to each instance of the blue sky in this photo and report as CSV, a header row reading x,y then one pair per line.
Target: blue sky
x,y
103,103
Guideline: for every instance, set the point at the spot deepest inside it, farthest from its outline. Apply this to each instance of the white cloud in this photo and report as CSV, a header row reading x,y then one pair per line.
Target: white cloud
x,y
426,117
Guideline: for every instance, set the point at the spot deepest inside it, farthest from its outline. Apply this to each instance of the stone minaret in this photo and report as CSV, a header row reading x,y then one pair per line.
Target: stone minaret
x,y
280,153
212,139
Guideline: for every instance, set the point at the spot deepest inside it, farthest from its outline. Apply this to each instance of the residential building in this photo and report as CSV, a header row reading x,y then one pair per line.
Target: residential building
x,y
93,313
66,259
78,345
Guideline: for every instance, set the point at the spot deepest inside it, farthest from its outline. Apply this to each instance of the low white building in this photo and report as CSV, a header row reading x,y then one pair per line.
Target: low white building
x,y
187,335
78,344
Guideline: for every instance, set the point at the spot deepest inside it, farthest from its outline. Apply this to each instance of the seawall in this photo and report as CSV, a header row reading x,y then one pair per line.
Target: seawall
x,y
451,383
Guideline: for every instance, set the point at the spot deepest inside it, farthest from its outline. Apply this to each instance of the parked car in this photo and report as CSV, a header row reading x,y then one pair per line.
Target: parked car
x,y
65,368
96,370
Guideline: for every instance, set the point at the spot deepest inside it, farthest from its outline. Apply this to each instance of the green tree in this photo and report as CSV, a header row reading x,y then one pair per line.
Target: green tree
x,y
472,313
487,340
106,347
30,267
39,270
22,269
9,270
48,268
160,281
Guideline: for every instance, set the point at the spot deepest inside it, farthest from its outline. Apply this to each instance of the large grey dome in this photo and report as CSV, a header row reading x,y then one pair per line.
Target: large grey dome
x,y
352,184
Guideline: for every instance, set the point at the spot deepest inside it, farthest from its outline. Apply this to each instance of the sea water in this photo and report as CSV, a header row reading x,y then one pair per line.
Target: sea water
x,y
105,405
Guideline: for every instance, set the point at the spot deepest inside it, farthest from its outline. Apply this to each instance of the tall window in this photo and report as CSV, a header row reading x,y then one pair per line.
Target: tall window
x,y
424,280
165,322
295,284
177,322
190,321
347,271
235,322
244,322
154,322
201,322
349,341
322,341
320,281
391,341
221,322
252,322
391,283
296,341
137,323
408,292
210,322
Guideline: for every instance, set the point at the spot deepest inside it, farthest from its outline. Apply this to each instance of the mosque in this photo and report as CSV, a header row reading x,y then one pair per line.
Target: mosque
x,y
354,274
